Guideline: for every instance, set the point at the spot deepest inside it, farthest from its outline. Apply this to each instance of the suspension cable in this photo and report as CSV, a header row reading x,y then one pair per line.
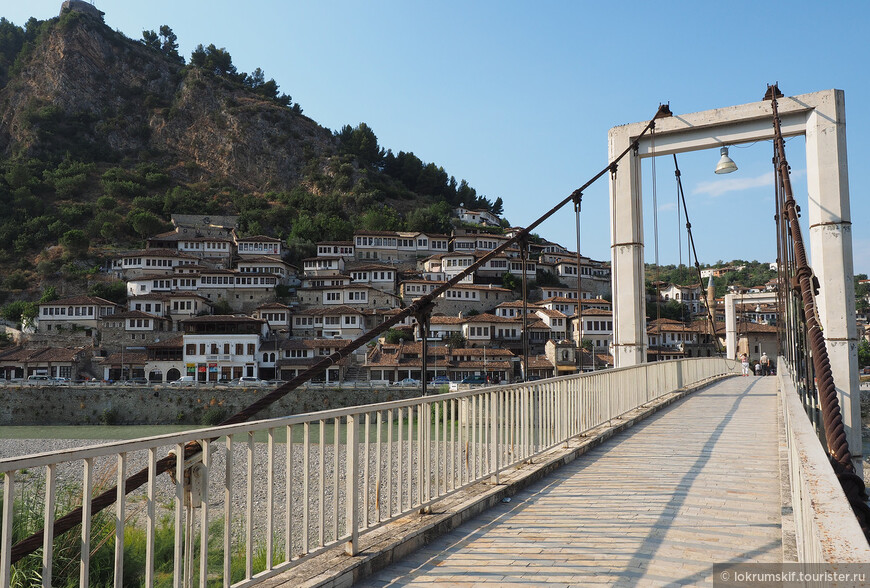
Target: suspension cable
x,y
694,253
73,518
658,279
806,285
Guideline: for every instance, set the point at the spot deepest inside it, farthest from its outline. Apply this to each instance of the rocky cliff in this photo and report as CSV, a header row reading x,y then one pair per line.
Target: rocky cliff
x,y
82,87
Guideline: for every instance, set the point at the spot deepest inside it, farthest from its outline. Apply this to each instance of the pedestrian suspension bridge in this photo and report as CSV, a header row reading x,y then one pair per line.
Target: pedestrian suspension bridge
x,y
646,474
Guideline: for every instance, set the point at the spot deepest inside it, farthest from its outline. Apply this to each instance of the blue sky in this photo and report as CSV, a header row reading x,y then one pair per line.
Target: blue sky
x,y
517,97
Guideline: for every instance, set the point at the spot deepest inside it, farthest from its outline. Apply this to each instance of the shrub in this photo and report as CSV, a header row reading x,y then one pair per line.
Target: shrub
x,y
213,415
110,416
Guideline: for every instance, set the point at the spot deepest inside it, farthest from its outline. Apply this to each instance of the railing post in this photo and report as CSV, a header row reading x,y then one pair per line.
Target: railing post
x,y
6,539
493,446
563,392
352,484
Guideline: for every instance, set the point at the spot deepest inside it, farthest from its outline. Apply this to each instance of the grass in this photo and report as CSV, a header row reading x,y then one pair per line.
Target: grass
x,y
29,508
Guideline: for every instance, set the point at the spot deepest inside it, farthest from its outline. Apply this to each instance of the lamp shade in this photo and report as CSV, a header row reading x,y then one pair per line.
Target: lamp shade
x,y
726,165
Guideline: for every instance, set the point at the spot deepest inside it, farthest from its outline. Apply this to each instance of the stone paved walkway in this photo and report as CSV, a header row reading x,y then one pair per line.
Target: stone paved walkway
x,y
659,504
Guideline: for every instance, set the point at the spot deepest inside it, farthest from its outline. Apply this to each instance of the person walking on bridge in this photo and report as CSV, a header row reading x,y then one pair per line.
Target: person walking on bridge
x,y
744,361
765,364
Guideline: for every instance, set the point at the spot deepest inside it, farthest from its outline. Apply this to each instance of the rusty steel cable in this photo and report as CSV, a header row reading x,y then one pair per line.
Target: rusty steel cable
x,y
73,518
807,285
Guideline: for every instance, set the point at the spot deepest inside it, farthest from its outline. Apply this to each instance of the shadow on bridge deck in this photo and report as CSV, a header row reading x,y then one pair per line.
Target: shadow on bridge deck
x,y
660,503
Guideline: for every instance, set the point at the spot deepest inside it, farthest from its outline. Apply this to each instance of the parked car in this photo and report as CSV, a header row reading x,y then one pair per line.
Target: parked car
x,y
184,381
59,381
275,382
37,379
407,382
135,382
249,381
440,380
477,380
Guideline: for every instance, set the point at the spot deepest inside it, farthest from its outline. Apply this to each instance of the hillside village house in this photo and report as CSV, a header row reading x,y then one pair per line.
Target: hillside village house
x,y
223,346
20,363
339,321
77,314
132,328
471,297
380,277
597,327
136,264
265,265
476,217
298,355
398,246
336,249
357,295
276,315
259,245
394,362
689,296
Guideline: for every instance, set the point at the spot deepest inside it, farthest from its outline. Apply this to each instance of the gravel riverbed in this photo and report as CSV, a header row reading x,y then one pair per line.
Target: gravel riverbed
x,y
70,477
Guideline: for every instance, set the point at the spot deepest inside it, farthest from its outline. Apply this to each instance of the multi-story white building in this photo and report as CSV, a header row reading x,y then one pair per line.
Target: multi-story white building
x,y
597,326
398,246
381,277
77,312
323,266
476,217
410,290
338,321
135,264
688,296
355,295
259,245
262,264
336,249
222,346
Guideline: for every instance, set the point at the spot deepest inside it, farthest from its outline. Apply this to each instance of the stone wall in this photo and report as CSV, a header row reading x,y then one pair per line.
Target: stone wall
x,y
161,405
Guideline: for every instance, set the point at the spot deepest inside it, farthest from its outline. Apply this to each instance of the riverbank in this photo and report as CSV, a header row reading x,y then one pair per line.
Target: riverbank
x,y
162,405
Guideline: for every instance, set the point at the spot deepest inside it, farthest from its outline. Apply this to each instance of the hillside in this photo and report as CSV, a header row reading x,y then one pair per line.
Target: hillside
x,y
103,138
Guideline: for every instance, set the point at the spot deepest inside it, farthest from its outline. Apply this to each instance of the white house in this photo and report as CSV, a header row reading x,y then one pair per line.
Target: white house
x,y
222,346
258,245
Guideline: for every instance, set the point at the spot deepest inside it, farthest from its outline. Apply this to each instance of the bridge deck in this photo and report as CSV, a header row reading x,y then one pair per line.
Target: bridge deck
x,y
697,484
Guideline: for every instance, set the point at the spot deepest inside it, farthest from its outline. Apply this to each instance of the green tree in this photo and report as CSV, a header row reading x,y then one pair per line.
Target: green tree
x,y
510,281
19,311
144,223
49,294
863,353
75,242
362,143
222,306
498,206
214,60
433,218
672,309
169,43
456,341
151,40
394,336
379,218
862,293
116,291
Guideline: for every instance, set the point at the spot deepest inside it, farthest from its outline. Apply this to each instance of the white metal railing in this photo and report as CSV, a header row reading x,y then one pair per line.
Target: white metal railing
x,y
826,530
272,493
